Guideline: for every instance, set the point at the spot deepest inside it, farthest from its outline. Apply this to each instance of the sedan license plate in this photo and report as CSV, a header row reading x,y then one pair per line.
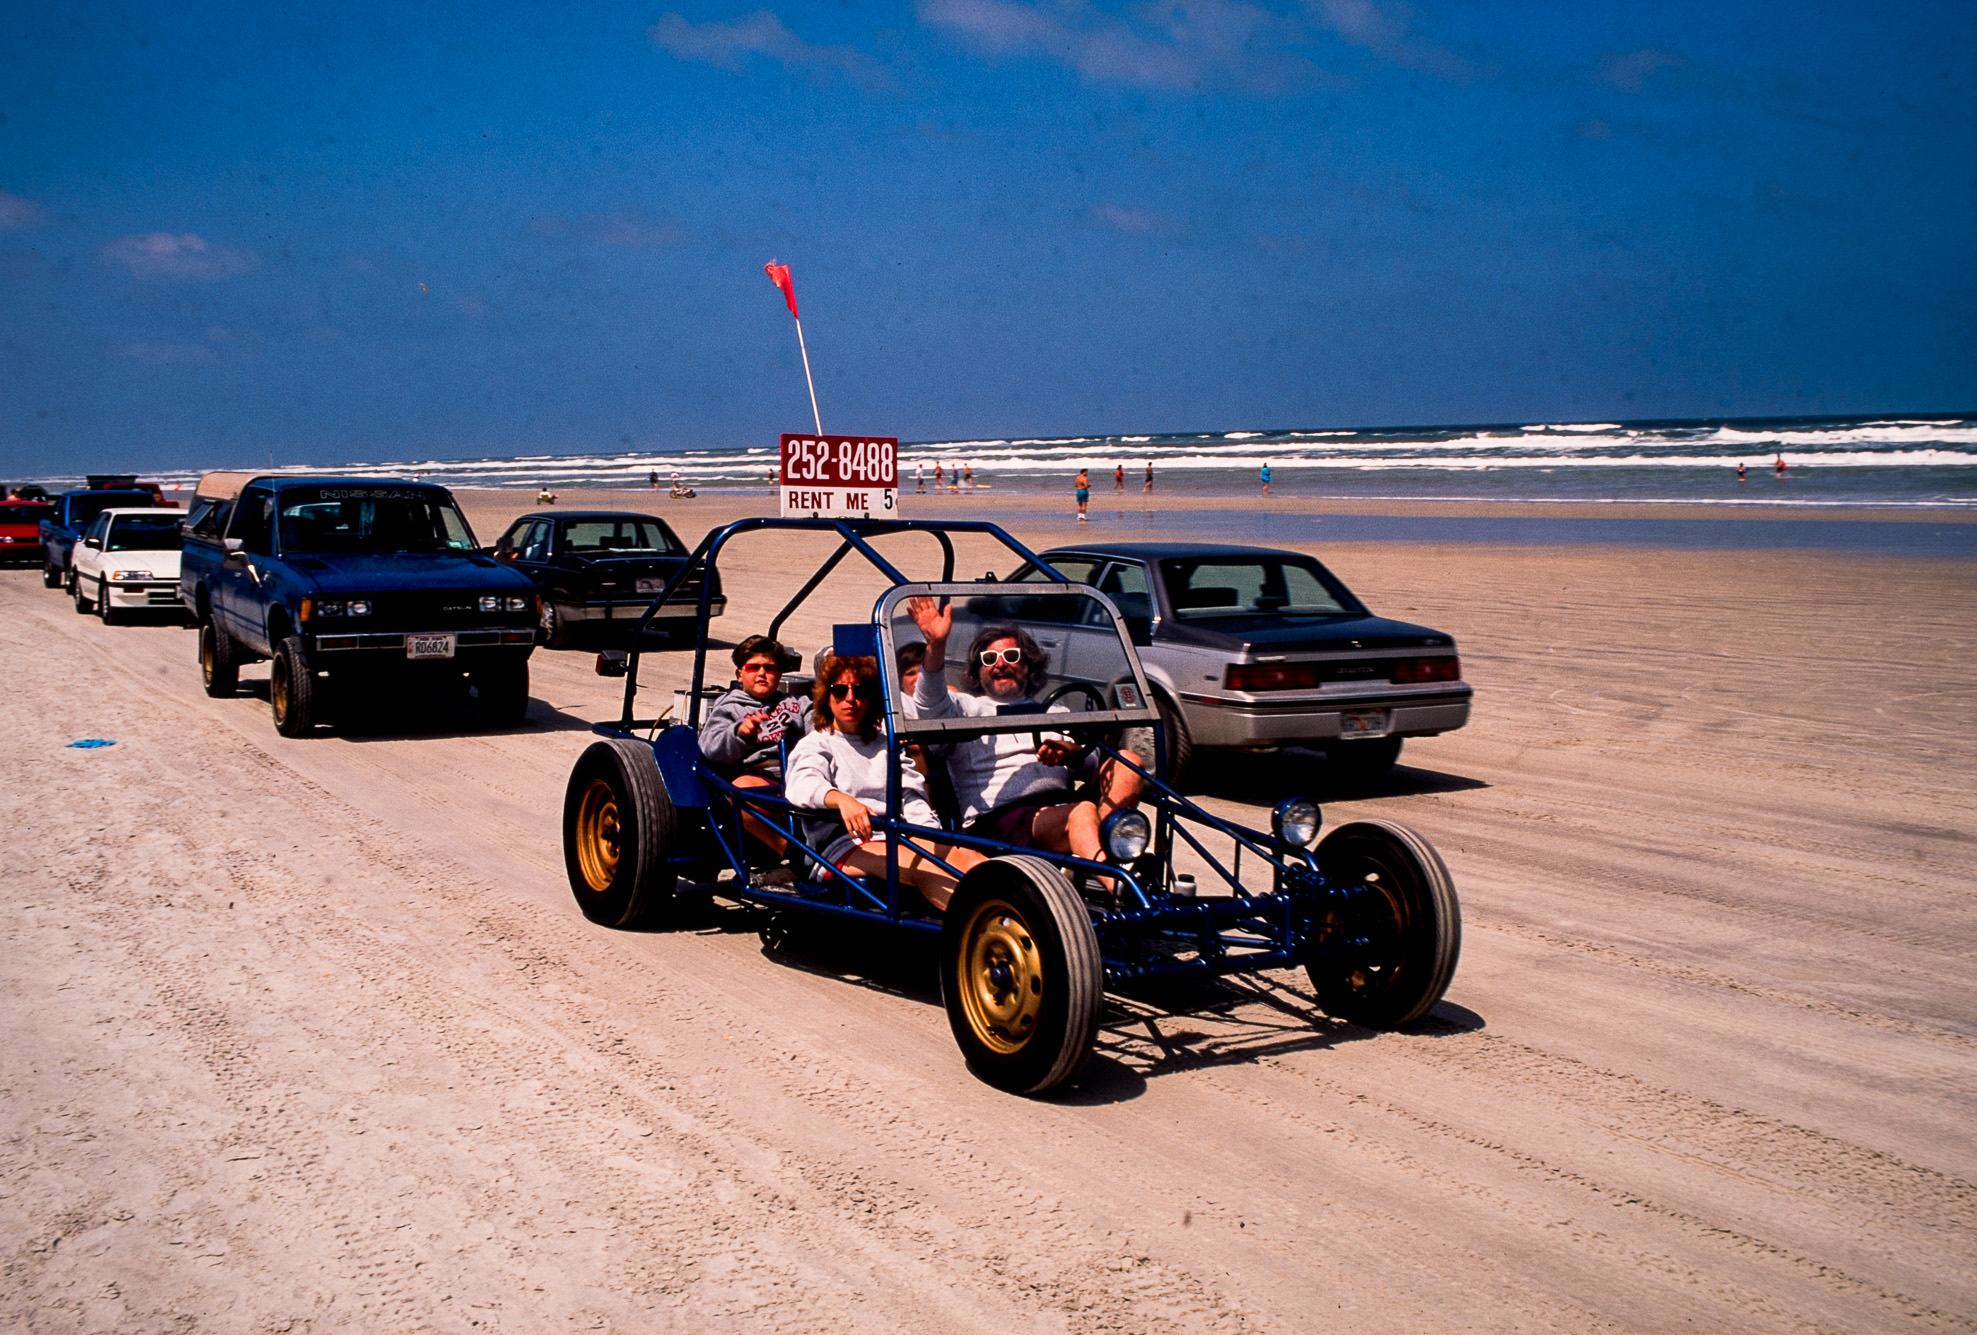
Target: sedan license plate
x,y
1364,723
430,646
652,586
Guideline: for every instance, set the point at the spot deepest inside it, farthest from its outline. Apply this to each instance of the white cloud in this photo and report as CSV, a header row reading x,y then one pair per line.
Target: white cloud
x,y
1178,44
178,258
730,44
17,214
1383,32
613,229
1631,72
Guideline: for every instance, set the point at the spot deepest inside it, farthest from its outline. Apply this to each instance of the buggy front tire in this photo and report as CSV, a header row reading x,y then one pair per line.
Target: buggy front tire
x,y
619,827
1404,908
1020,974
219,661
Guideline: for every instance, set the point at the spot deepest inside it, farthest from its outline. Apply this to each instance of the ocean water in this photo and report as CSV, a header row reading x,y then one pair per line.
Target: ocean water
x,y
1898,462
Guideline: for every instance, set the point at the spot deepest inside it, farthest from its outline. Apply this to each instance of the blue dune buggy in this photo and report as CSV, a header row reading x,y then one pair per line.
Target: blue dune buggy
x,y
1031,940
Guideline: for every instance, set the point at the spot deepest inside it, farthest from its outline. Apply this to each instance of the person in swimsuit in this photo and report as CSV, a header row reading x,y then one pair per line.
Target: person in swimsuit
x,y
841,767
1084,494
1149,476
1119,478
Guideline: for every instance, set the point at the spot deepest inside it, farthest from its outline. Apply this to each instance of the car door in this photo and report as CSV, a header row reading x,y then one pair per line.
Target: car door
x,y
236,600
88,555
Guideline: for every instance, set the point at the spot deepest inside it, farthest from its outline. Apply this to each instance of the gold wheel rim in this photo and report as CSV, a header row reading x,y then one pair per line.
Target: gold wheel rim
x,y
206,656
1001,978
598,835
278,689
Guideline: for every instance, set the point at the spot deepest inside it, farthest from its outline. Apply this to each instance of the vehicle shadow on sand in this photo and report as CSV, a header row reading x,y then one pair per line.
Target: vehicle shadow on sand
x,y
1267,778
400,717
1154,1030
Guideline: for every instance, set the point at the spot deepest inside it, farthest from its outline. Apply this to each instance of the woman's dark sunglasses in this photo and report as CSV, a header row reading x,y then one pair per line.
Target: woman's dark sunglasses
x,y
864,690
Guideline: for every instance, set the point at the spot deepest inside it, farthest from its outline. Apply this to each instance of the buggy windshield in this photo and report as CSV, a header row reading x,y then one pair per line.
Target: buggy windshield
x,y
371,519
1015,651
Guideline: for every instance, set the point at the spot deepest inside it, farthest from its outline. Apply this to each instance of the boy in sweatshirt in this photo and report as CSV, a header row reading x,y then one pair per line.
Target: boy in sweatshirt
x,y
742,732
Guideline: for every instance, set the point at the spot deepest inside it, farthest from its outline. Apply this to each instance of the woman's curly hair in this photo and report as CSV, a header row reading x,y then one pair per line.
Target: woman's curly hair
x,y
1035,661
860,669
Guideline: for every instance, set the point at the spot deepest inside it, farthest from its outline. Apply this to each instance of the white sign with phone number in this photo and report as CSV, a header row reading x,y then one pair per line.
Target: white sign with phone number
x,y
839,476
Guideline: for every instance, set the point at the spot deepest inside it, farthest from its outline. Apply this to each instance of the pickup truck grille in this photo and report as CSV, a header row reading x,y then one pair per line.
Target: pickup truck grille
x,y
430,609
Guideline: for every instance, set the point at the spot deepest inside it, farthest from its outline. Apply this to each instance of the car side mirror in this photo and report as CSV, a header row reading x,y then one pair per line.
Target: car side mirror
x,y
92,544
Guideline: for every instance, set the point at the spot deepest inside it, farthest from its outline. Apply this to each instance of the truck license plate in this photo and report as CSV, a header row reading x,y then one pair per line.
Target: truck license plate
x,y
429,646
1364,723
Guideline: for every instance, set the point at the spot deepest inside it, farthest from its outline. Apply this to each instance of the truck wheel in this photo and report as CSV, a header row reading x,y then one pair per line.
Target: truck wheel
x,y
292,690
1020,974
502,692
1407,918
619,827
219,664
51,576
555,630
77,597
1180,743
104,612
1363,762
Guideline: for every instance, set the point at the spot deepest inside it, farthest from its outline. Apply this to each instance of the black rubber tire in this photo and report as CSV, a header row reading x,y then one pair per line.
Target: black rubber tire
x,y
555,630
292,690
1363,762
51,576
1180,743
76,596
219,664
619,827
104,612
1415,922
501,692
1019,914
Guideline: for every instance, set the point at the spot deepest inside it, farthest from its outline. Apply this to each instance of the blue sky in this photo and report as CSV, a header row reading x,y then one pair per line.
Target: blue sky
x,y
404,230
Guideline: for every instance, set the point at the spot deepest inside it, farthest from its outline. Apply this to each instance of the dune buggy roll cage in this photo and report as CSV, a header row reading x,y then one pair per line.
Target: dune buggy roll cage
x,y
1244,932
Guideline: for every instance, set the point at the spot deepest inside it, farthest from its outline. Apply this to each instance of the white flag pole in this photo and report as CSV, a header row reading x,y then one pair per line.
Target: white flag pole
x,y
814,416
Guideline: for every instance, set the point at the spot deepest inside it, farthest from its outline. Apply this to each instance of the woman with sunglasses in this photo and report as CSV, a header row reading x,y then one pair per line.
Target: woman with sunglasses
x,y
841,767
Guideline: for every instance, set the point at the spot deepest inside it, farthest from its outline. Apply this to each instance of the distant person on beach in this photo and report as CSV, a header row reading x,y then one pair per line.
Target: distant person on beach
x,y
545,496
1266,479
968,475
1119,478
1084,494
1780,465
653,478
920,478
1149,476
937,479
1743,473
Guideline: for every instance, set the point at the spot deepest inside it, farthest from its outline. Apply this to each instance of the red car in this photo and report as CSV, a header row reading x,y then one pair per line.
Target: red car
x,y
20,530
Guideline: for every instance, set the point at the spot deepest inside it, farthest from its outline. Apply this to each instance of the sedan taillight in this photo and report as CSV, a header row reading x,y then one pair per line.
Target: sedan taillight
x,y
1271,676
1411,671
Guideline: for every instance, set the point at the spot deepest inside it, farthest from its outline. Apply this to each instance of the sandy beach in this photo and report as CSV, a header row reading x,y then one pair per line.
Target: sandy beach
x,y
308,1035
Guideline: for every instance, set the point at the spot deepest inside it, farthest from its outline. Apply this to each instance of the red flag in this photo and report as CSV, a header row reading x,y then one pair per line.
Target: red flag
x,y
779,275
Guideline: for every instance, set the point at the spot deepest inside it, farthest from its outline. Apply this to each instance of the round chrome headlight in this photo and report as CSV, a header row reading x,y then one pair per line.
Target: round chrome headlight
x,y
1296,821
1125,834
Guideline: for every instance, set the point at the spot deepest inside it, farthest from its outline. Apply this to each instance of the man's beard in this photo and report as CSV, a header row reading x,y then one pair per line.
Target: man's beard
x,y
1006,686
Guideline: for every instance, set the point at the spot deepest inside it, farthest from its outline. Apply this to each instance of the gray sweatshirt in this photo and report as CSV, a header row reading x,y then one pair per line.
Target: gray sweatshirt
x,y
988,771
831,759
723,745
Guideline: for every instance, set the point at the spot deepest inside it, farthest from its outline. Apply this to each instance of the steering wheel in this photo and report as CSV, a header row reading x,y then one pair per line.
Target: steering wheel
x,y
1070,688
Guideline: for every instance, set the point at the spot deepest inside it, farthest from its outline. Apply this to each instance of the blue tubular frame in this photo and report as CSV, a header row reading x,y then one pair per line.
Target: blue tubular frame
x,y
1242,933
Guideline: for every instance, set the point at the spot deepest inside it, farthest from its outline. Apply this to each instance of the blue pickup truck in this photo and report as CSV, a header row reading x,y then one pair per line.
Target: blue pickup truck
x,y
351,587
74,512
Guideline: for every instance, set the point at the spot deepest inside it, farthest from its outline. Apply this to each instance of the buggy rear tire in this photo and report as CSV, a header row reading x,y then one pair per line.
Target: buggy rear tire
x,y
1020,974
219,661
619,827
1409,914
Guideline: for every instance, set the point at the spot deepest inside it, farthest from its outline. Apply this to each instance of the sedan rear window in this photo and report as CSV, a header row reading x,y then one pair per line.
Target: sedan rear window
x,y
620,535
1255,586
23,514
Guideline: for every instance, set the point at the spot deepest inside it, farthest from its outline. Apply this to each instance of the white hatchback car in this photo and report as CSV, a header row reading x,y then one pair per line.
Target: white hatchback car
x,y
127,561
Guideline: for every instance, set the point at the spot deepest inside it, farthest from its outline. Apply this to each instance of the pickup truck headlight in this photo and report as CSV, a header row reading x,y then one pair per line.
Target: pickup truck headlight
x,y
1125,834
1295,822
322,607
358,607
519,604
130,574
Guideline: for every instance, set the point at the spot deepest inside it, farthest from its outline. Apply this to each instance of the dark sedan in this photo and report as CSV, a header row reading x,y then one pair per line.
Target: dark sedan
x,y
602,568
1252,648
